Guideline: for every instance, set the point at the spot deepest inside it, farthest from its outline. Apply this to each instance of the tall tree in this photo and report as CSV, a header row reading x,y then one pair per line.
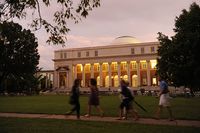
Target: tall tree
x,y
18,57
179,57
57,27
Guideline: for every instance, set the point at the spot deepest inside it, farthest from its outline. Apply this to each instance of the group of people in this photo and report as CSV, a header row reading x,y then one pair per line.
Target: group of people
x,y
126,96
93,98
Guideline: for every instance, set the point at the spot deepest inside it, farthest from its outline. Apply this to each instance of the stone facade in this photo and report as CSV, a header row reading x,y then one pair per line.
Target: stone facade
x,y
129,60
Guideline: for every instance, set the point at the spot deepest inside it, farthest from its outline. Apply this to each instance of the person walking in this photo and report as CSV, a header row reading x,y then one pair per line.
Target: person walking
x,y
126,105
164,100
94,98
74,98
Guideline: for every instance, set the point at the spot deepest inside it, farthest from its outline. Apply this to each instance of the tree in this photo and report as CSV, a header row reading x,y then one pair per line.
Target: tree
x,y
57,27
19,58
179,60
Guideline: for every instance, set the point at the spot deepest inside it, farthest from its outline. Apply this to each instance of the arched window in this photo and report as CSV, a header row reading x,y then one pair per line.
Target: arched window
x,y
125,77
98,80
116,81
134,81
107,81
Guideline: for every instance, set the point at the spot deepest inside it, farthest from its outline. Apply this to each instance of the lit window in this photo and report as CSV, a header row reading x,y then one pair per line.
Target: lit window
x,y
143,64
134,65
105,67
153,64
124,65
115,66
79,68
87,67
154,81
96,67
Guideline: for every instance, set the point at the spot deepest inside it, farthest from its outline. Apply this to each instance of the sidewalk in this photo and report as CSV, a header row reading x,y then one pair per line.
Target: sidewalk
x,y
191,123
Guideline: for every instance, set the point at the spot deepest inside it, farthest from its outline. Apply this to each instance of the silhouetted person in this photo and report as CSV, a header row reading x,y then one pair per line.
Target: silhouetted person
x,y
127,101
74,98
94,98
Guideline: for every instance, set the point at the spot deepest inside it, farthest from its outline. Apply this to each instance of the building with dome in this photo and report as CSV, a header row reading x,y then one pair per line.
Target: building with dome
x,y
125,58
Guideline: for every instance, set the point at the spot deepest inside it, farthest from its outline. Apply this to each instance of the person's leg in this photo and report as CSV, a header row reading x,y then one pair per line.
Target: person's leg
x,y
125,113
159,110
88,111
78,110
71,111
100,110
160,106
74,108
121,109
135,114
171,118
120,114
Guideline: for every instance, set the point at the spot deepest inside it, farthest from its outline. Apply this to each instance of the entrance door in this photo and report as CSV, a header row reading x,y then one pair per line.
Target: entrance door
x,y
62,80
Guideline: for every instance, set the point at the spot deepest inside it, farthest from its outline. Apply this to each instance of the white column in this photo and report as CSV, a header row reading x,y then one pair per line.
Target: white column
x,y
138,72
67,80
110,74
128,72
148,73
92,70
46,80
58,81
55,77
75,71
83,74
70,76
101,75
119,70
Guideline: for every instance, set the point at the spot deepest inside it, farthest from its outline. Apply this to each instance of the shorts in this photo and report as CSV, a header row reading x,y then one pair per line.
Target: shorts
x,y
164,100
126,104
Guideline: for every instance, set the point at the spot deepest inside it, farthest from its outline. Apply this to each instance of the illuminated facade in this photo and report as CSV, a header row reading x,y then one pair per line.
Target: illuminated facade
x,y
126,58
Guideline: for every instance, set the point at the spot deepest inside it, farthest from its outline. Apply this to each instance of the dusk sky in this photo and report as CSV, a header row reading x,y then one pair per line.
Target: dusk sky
x,y
142,19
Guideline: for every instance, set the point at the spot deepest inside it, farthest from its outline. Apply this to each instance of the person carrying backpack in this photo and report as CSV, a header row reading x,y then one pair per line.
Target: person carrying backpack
x,y
127,101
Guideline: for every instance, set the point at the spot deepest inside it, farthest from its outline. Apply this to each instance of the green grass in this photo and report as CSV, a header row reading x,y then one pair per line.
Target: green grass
x,y
183,108
22,125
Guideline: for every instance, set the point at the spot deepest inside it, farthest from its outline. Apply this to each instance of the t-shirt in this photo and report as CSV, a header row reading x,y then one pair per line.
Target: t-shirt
x,y
127,93
164,87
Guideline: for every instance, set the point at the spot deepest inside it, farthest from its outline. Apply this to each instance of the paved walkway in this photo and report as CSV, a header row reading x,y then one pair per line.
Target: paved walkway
x,y
191,123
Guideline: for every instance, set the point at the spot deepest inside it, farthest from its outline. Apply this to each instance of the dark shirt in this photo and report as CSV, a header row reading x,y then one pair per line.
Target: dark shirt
x,y
126,93
94,97
75,94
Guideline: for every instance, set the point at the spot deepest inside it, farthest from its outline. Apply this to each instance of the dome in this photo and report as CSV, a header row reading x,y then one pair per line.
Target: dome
x,y
125,40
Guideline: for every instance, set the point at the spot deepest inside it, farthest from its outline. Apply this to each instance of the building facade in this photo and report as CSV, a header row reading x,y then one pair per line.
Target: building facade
x,y
125,58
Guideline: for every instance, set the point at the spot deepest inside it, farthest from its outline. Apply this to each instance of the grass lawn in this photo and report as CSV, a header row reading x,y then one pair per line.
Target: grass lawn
x,y
22,125
183,108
